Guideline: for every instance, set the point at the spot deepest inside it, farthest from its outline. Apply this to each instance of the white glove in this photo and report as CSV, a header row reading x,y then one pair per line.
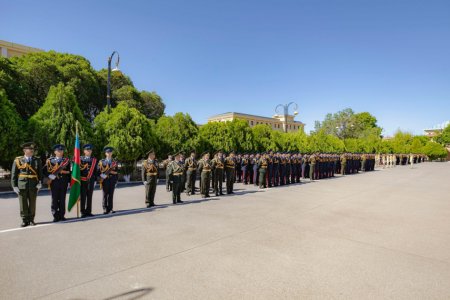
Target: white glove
x,y
103,176
39,186
95,184
16,190
51,176
145,182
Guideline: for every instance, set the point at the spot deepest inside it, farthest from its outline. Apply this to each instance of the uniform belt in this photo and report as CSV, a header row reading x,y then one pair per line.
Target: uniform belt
x,y
219,167
263,167
152,174
230,166
206,170
178,174
28,176
192,169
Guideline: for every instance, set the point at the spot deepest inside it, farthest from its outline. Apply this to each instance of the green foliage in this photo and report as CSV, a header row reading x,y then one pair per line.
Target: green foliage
x,y
177,133
127,130
55,121
322,142
37,72
346,124
434,150
152,105
444,137
11,131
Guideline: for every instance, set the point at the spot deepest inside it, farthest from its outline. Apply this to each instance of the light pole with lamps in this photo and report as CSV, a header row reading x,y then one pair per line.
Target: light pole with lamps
x,y
286,112
108,85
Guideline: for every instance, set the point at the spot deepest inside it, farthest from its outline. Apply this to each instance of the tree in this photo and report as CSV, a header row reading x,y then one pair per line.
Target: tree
x,y
11,132
54,122
128,131
434,150
262,137
346,124
322,142
152,105
444,137
37,72
177,133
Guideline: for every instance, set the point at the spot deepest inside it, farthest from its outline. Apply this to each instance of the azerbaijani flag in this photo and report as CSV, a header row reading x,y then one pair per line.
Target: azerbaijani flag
x,y
75,182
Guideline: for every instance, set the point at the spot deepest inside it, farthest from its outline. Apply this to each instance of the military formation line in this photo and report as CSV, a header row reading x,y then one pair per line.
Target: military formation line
x,y
266,170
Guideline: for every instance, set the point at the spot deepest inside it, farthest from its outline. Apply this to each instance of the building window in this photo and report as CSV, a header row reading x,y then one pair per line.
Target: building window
x,y
251,122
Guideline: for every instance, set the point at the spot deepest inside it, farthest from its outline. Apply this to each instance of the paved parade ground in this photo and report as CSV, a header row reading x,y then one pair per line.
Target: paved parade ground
x,y
379,235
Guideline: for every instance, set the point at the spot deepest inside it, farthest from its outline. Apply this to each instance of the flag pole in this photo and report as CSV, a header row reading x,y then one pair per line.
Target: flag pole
x,y
78,202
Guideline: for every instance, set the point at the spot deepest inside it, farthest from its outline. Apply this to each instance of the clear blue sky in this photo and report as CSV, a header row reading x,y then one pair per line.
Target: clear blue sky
x,y
388,57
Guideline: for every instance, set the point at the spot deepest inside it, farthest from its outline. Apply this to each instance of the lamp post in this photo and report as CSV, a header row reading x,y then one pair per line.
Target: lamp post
x,y
286,112
108,85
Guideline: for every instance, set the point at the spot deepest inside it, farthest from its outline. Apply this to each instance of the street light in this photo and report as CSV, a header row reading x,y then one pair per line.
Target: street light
x,y
108,85
286,111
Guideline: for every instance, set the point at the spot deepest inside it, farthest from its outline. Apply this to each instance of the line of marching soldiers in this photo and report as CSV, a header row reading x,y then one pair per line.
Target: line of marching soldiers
x,y
267,169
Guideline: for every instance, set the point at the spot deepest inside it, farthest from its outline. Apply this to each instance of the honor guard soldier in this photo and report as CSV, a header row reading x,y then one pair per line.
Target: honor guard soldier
x,y
229,172
204,168
175,170
218,165
88,173
165,164
57,169
108,170
150,177
262,168
190,166
26,181
244,168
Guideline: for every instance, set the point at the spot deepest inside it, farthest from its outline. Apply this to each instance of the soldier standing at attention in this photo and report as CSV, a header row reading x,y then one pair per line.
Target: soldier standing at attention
x,y
343,163
191,165
262,167
26,181
218,165
108,170
276,169
238,168
204,168
150,178
165,163
255,168
88,172
244,166
229,172
175,171
57,170
312,167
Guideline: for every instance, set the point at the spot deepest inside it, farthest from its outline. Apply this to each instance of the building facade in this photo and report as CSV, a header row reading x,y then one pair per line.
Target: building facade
x,y
9,49
277,122
436,130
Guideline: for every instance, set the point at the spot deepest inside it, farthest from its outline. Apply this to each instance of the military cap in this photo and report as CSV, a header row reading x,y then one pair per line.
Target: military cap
x,y
204,153
59,147
150,151
193,151
108,149
88,147
178,153
28,145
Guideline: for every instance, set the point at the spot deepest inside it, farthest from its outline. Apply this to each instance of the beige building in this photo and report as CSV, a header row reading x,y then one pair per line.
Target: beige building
x,y
277,122
436,130
9,49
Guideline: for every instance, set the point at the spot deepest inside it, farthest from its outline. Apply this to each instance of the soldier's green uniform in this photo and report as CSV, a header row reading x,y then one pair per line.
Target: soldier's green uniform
x,y
150,178
312,167
204,168
191,165
230,170
175,170
262,168
343,163
26,178
218,165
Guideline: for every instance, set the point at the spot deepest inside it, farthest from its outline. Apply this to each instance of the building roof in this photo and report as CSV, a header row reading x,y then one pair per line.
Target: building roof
x,y
19,46
228,114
